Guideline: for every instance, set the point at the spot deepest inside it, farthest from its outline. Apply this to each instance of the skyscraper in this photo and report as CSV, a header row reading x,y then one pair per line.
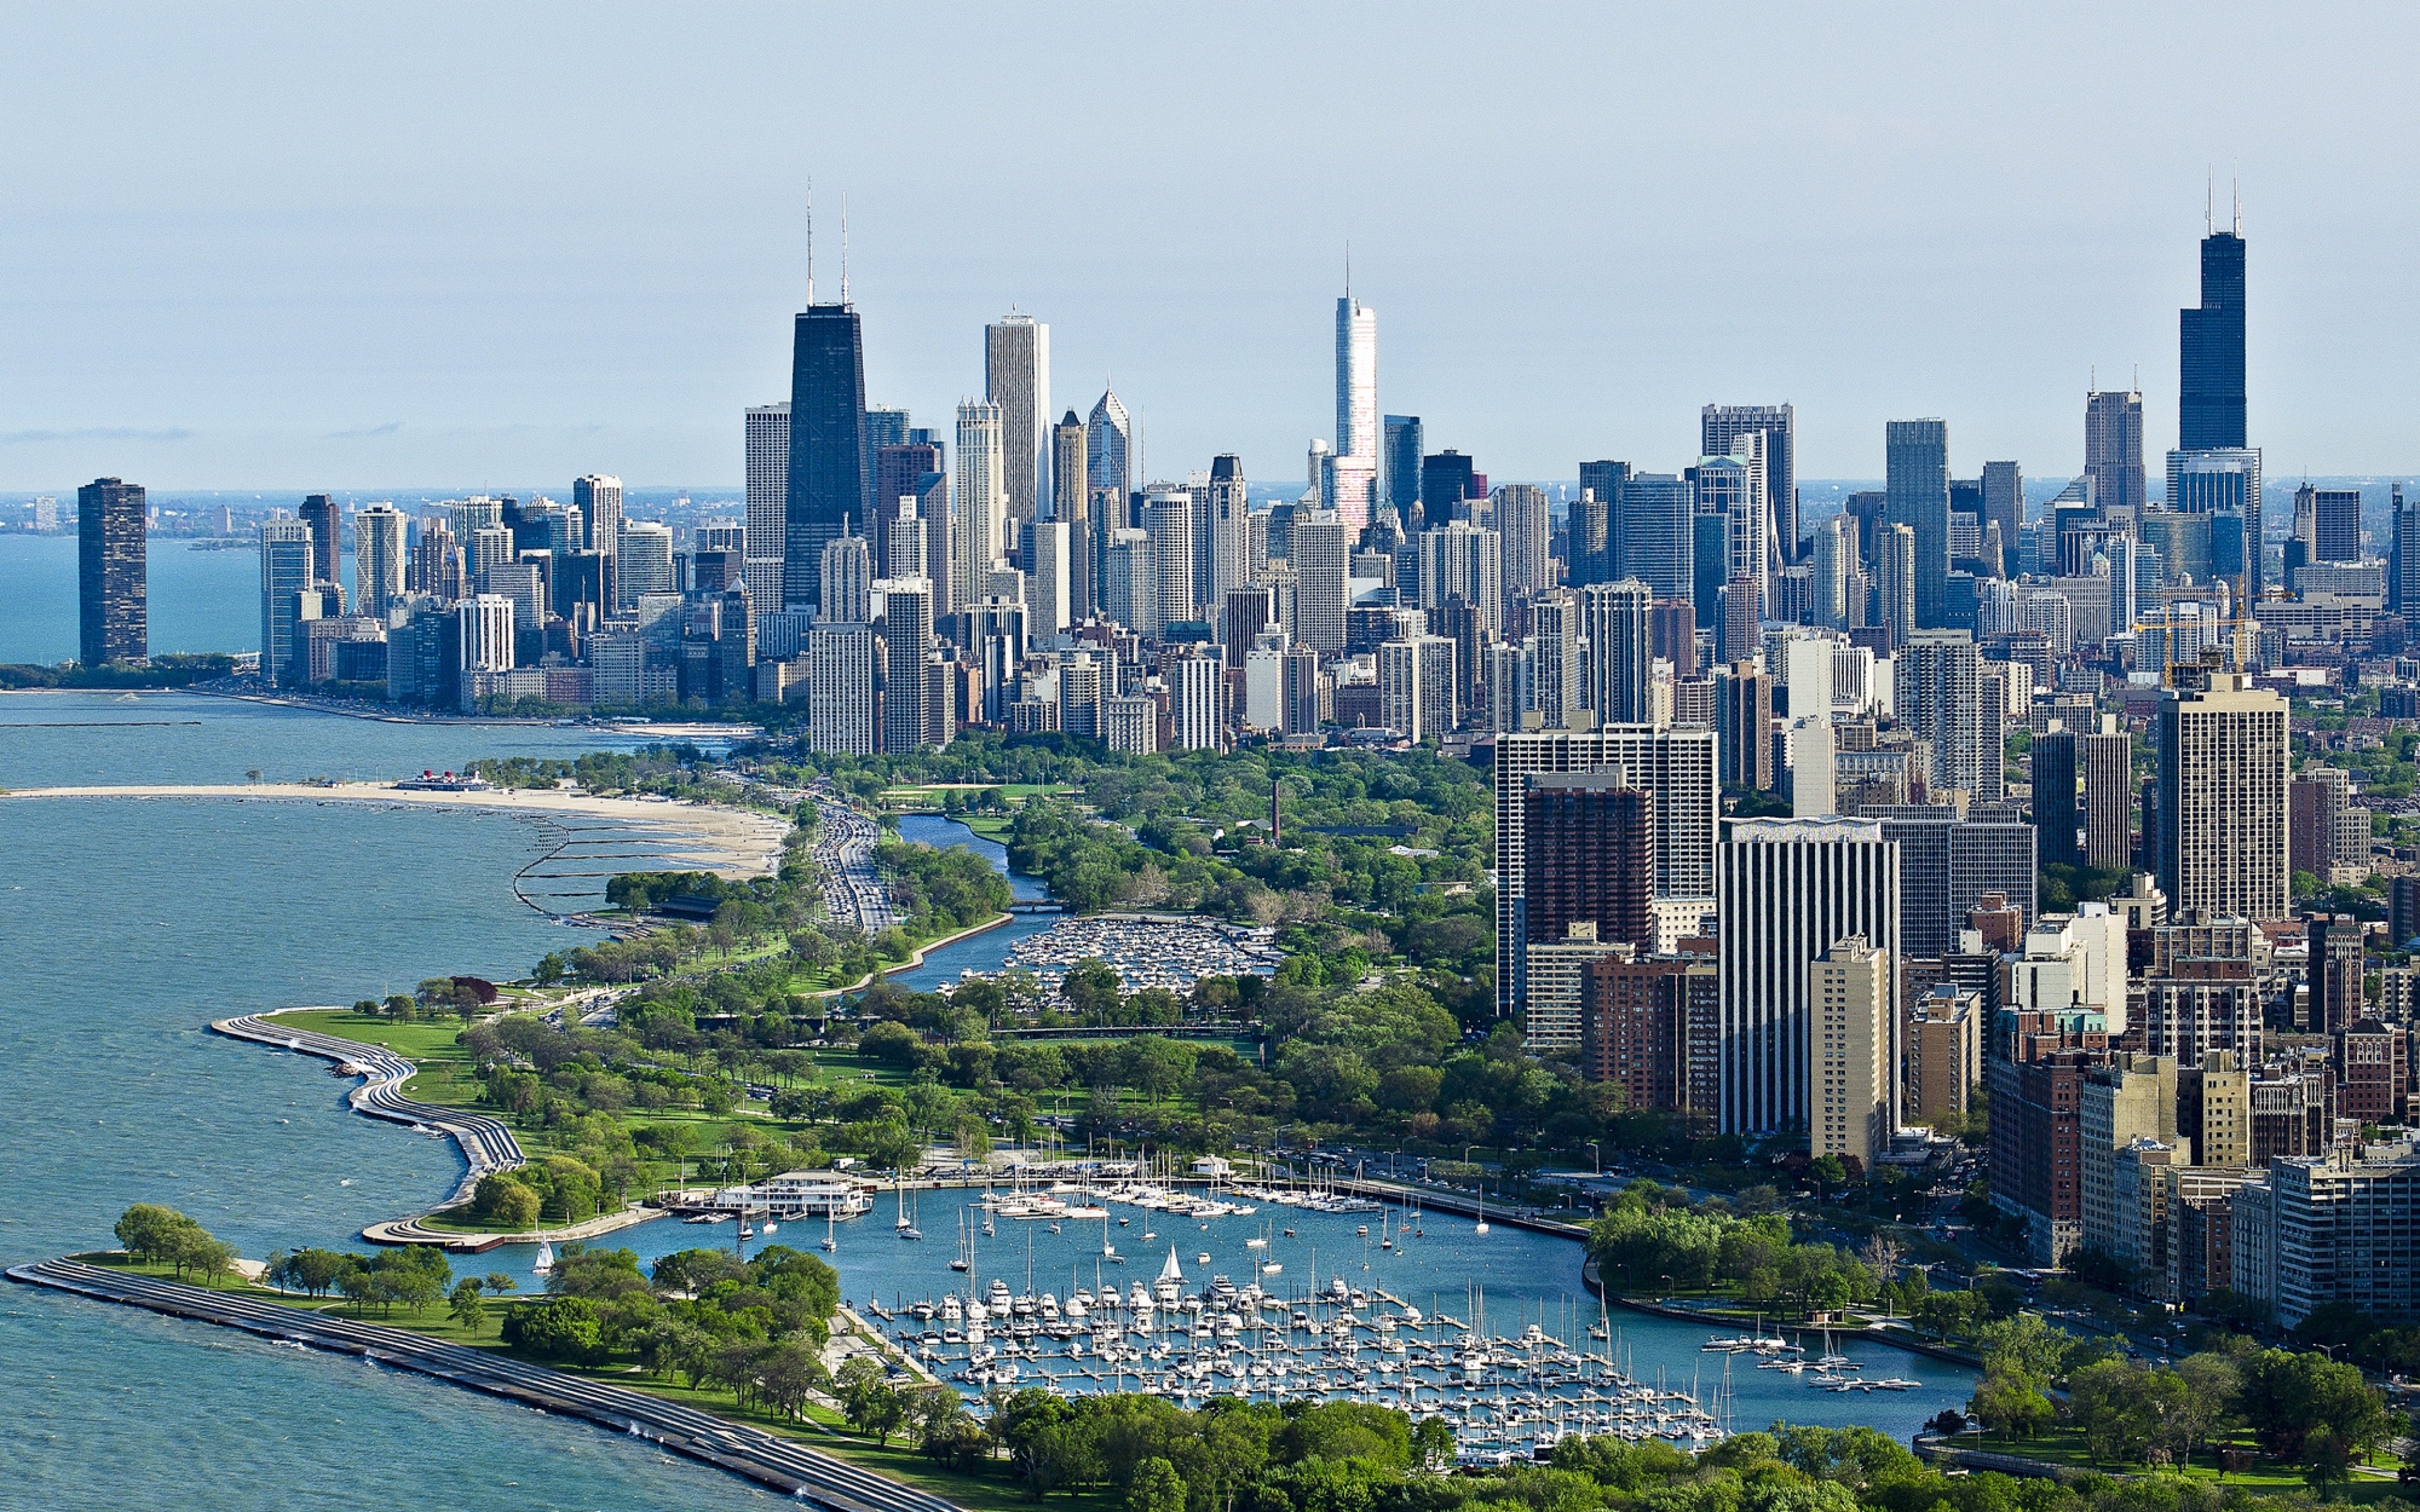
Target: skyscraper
x,y
2108,795
378,558
1017,377
1320,546
767,447
285,570
113,572
1895,554
2004,503
598,499
327,536
2055,771
845,580
831,459
1850,1111
1466,562
979,523
1071,504
1403,463
2211,387
1108,458
1446,481
1650,535
1587,857
1915,493
1721,424
1941,696
2223,483
1356,379
2221,833
1733,485
1790,890
2328,522
2113,449
1677,765
1621,657
1521,515
1168,517
1227,530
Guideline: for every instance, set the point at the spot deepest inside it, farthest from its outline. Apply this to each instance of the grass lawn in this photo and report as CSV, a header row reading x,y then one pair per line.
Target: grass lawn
x,y
2065,1447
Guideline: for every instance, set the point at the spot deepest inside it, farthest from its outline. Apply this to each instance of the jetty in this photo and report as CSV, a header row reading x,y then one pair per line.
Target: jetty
x,y
752,1454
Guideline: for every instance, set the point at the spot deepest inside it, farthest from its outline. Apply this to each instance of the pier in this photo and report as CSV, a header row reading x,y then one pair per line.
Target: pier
x,y
752,1454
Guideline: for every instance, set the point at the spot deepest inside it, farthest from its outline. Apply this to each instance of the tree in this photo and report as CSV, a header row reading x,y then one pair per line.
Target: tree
x,y
866,1396
468,1307
1433,1444
1155,1488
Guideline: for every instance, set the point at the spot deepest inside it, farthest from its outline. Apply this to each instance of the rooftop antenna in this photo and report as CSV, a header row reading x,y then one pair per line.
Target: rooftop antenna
x,y
2209,205
1348,268
2235,185
843,250
811,243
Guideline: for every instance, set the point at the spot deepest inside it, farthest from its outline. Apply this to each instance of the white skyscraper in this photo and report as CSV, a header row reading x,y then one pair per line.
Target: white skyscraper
x,y
1320,545
1789,891
1198,703
1466,562
978,532
1016,378
488,621
839,681
643,561
1168,516
848,580
1622,660
1351,485
378,558
769,498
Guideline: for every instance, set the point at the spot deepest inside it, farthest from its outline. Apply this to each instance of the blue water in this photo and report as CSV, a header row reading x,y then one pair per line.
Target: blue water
x,y
125,926
197,600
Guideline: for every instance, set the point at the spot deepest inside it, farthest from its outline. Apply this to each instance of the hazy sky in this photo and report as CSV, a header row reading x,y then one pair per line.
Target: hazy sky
x,y
366,246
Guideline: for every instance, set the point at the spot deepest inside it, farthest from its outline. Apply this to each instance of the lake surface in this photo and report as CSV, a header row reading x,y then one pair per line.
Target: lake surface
x,y
125,926
198,600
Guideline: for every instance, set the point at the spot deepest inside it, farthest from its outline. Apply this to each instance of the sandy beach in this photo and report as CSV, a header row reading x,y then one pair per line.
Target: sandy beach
x,y
730,843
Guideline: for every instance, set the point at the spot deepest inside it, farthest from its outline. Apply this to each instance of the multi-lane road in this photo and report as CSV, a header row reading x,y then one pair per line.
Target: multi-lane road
x,y
853,893
791,1468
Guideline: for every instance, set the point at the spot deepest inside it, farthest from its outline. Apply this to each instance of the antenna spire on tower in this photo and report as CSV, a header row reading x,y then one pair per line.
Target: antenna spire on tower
x,y
1348,267
2235,184
811,243
2209,205
844,248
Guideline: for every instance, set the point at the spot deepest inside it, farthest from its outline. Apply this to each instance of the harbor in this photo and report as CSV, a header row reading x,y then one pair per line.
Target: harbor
x,y
1132,1283
1146,950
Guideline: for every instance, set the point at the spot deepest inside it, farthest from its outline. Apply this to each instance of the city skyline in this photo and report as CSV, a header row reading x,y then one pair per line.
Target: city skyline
x,y
455,370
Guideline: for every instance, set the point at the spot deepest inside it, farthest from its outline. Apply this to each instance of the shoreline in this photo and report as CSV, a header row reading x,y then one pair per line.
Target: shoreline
x,y
737,1448
734,844
915,957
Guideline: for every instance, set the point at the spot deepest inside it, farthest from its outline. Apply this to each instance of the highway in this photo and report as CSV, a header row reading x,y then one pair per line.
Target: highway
x,y
853,894
486,1144
790,1468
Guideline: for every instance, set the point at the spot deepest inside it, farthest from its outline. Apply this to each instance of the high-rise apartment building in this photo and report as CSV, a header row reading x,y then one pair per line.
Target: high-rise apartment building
x,y
832,457
1168,519
2328,523
2108,795
2054,770
1850,1111
1466,562
1354,462
841,684
767,495
286,571
1016,381
2211,387
1942,697
1720,429
643,563
1651,534
1448,480
1789,891
2113,450
1319,550
979,523
436,567
1522,518
1197,704
1743,718
319,511
1418,692
1895,581
1556,628
1586,858
2220,840
1733,485
1677,765
1226,529
1615,618
113,573
1049,576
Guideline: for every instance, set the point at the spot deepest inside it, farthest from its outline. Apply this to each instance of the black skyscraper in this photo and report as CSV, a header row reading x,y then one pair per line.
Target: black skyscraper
x,y
831,464
1445,480
115,609
327,549
2210,403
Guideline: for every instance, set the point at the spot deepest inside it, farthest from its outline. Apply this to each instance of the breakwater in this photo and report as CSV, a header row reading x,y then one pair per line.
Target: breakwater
x,y
765,1459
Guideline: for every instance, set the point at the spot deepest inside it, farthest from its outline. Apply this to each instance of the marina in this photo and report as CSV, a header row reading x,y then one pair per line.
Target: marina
x,y
1147,950
1285,1295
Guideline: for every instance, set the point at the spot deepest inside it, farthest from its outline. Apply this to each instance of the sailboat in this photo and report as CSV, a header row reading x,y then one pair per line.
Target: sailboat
x,y
962,1260
545,1261
1483,1212
1109,1251
832,1241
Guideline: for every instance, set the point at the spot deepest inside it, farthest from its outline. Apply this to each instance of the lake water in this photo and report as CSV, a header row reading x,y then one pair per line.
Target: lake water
x,y
197,600
125,926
